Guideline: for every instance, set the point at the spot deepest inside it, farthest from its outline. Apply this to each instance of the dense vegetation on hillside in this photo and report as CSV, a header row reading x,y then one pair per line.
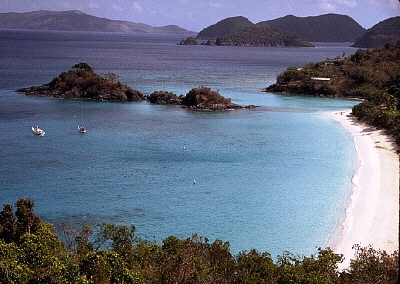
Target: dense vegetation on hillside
x,y
330,27
373,75
225,27
324,28
380,34
31,252
252,36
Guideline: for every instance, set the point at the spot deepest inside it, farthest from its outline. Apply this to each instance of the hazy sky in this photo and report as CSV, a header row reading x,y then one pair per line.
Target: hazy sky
x,y
196,15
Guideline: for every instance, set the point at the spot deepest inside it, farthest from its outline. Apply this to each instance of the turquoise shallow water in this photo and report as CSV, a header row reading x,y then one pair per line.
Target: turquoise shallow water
x,y
273,178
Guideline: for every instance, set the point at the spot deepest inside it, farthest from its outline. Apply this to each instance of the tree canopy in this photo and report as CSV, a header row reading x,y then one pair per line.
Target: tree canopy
x,y
114,254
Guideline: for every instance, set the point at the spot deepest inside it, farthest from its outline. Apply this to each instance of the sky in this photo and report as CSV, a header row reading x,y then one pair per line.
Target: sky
x,y
197,15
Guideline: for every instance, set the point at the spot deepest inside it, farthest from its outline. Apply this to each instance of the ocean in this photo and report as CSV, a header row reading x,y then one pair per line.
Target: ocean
x,y
275,178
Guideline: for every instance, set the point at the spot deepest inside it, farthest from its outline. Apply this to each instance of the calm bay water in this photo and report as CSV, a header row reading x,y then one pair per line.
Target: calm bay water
x,y
273,178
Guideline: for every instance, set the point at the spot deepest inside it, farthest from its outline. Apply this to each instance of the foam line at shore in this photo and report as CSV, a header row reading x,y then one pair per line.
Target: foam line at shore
x,y
372,213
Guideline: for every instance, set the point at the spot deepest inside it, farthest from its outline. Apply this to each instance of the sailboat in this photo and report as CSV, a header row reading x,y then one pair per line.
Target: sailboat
x,y
38,131
81,128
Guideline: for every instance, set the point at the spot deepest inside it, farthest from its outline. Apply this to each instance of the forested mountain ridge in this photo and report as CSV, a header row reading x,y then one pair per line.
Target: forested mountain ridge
x,y
78,21
380,34
324,28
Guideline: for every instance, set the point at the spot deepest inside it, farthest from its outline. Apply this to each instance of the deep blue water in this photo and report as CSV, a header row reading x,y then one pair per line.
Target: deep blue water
x,y
273,178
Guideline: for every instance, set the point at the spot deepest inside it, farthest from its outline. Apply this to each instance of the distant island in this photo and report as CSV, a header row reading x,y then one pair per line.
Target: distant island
x,y
254,36
82,83
78,21
324,28
380,34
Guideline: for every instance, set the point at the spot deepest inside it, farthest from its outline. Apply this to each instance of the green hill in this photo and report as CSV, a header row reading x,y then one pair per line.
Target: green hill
x,y
380,34
324,28
225,27
78,21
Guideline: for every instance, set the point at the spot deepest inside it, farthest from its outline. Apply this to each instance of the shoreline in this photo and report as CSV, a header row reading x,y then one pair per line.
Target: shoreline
x,y
371,217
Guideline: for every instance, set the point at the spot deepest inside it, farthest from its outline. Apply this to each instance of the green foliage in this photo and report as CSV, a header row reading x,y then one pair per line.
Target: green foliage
x,y
291,74
365,71
256,36
204,96
27,221
83,245
107,267
360,56
39,256
119,237
381,109
255,267
11,270
7,223
372,266
82,67
315,269
43,253
225,27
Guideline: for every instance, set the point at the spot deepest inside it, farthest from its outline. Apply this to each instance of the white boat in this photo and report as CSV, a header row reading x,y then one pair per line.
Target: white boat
x,y
38,131
81,129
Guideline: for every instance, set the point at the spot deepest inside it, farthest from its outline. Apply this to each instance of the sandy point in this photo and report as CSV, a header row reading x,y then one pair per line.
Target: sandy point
x,y
372,213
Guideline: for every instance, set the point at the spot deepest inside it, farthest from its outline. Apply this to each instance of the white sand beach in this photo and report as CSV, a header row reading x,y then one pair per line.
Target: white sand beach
x,y
372,215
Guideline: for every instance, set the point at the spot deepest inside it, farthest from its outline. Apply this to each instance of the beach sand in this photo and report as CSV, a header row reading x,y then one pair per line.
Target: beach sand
x,y
372,214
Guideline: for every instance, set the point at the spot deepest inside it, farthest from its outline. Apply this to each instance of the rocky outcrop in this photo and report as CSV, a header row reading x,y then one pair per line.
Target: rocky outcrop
x,y
82,83
201,98
205,99
165,98
188,41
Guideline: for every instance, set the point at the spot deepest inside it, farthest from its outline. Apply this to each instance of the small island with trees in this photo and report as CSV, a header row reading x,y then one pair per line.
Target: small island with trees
x,y
81,82
255,36
201,98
